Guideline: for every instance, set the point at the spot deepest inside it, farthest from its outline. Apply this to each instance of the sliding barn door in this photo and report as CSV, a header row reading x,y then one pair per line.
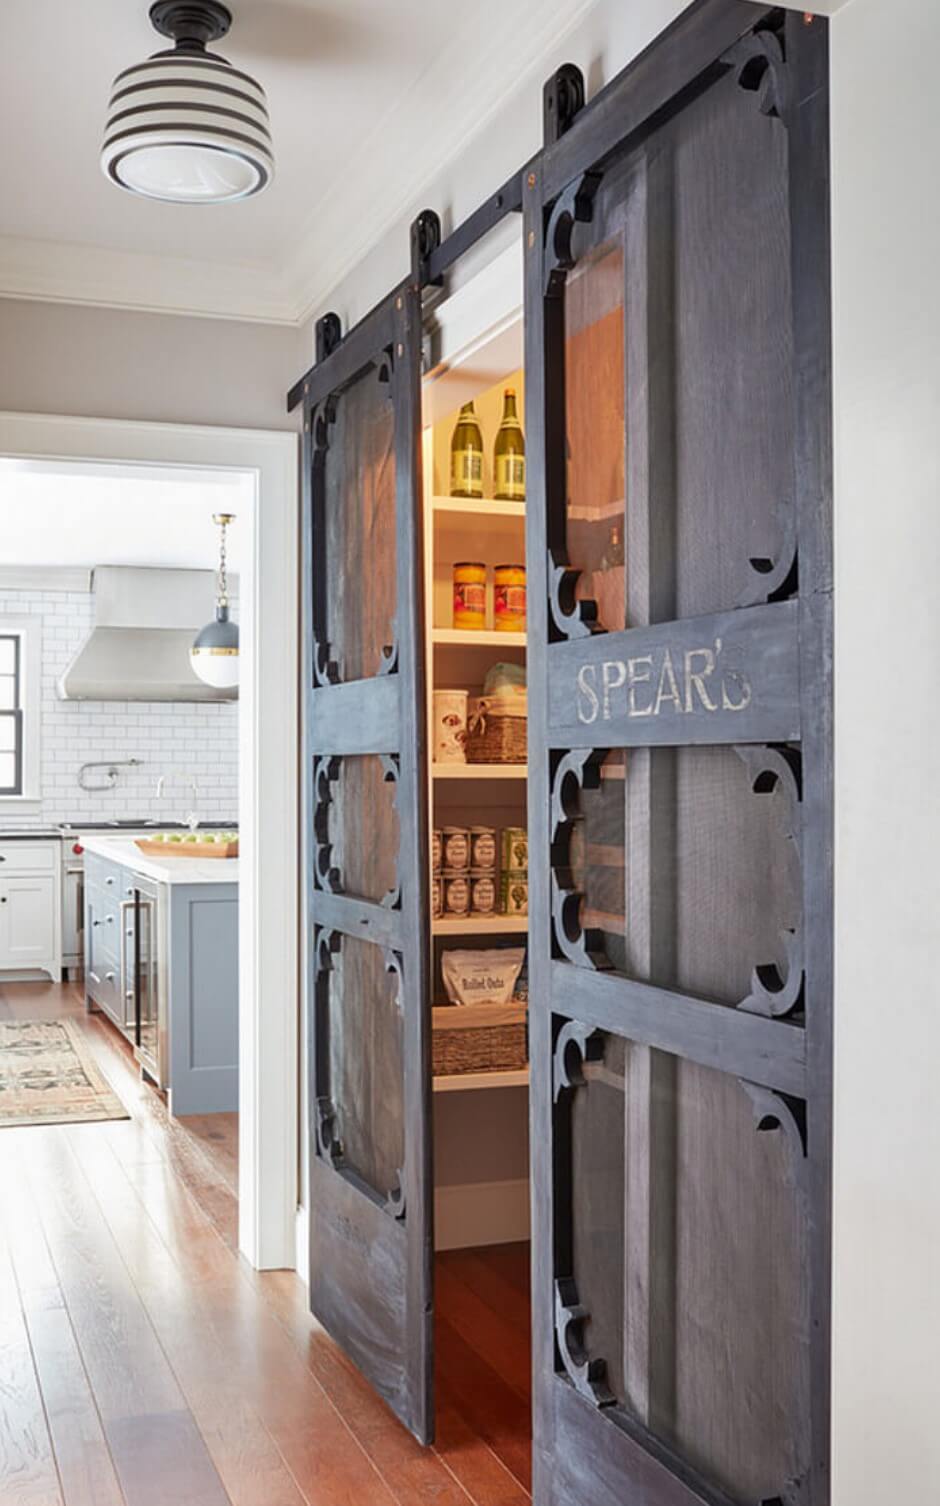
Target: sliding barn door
x,y
679,818
366,855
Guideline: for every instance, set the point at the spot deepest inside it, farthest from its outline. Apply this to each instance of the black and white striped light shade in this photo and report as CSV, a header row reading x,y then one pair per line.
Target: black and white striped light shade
x,y
188,128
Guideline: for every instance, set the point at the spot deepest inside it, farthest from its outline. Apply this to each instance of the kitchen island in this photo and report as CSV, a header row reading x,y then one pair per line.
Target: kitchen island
x,y
161,960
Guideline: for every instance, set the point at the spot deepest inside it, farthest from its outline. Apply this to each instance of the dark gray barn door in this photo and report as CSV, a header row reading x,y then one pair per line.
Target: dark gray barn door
x,y
366,855
679,818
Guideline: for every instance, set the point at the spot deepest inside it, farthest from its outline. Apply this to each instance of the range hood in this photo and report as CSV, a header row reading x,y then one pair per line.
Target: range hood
x,y
138,649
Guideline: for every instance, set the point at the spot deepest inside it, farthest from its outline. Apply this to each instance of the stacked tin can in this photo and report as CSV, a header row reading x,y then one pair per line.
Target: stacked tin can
x,y
465,880
514,871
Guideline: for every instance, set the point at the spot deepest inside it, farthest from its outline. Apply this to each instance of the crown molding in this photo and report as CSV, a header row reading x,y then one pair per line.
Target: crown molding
x,y
58,272
342,226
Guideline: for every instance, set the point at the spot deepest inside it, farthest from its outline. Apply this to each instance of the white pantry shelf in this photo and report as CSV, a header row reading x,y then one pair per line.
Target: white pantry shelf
x,y
479,770
480,925
472,507
477,638
460,1082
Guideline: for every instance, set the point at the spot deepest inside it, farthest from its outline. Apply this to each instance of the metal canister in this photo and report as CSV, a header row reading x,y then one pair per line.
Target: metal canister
x,y
483,893
514,851
449,726
470,594
437,851
456,893
513,895
509,598
437,895
456,849
483,849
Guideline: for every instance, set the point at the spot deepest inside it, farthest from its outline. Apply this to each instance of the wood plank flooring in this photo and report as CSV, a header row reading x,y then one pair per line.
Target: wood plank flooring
x,y
143,1363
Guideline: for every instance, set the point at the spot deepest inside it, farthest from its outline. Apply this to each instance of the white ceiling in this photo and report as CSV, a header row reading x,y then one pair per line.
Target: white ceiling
x,y
54,514
367,99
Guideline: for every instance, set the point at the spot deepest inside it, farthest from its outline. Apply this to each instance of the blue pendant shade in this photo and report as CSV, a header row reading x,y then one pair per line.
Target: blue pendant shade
x,y
214,653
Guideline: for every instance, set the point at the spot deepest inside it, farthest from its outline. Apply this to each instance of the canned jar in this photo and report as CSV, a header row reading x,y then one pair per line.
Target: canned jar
x,y
509,599
456,893
450,726
483,849
470,594
456,848
437,851
437,895
513,895
483,893
514,850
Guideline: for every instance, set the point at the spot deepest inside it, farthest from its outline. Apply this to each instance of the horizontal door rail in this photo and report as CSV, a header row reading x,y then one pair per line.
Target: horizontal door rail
x,y
765,1051
358,717
357,917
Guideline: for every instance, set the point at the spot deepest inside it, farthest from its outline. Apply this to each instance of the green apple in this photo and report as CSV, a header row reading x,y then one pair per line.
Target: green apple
x,y
175,836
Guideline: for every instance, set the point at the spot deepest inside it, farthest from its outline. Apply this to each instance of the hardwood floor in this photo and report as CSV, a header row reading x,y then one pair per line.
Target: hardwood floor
x,y
143,1363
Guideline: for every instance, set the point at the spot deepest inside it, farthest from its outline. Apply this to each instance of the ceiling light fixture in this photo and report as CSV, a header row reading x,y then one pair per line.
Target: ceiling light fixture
x,y
185,126
214,653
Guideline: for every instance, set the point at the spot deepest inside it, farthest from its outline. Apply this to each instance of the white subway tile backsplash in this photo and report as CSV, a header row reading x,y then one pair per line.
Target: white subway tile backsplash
x,y
175,740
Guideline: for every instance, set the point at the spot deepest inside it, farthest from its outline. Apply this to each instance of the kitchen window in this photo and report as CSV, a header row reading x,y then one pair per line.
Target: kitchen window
x,y
20,659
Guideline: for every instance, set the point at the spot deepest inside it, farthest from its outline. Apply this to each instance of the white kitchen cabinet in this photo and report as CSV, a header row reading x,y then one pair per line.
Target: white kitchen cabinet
x,y
30,922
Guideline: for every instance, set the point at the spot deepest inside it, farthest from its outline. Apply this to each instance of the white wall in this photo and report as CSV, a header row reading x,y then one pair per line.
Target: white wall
x,y
200,739
112,363
886,231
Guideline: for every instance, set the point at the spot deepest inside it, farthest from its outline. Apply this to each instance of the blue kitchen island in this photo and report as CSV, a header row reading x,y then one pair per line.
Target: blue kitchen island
x,y
161,961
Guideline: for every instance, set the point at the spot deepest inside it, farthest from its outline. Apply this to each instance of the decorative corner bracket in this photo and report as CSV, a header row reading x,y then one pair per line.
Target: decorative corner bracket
x,y
391,769
588,1375
572,618
578,770
325,775
780,1111
770,767
761,68
574,205
575,1044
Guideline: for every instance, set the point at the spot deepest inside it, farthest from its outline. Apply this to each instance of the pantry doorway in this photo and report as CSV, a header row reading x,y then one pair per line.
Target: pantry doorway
x,y
268,930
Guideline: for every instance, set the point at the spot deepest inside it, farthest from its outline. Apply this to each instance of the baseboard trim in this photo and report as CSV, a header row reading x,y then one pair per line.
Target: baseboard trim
x,y
481,1213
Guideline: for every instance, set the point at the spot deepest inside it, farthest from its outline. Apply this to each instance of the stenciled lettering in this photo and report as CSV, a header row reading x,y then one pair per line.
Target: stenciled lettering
x,y
657,683
587,700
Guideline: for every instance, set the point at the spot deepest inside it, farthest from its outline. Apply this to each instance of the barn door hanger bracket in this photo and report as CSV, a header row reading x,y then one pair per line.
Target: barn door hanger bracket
x,y
562,99
425,240
327,334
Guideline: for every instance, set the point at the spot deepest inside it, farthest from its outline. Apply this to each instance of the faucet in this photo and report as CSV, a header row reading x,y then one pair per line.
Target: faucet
x,y
191,818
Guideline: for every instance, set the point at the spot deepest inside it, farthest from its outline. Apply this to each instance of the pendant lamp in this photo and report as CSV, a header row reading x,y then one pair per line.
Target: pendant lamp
x,y
214,652
185,126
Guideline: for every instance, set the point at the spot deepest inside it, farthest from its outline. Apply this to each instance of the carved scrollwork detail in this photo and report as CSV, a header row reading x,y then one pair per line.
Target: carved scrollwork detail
x,y
395,1201
572,618
578,770
393,964
329,1144
775,993
325,774
588,1374
575,1044
780,1111
323,417
761,68
574,205
391,770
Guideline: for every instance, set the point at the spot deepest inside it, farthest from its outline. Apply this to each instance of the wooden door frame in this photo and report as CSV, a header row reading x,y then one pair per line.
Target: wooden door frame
x,y
268,773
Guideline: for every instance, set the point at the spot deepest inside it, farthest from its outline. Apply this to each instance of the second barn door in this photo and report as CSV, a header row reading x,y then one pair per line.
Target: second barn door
x,y
365,866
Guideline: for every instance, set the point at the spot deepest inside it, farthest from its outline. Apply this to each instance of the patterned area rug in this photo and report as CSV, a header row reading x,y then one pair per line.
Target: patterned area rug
x,y
47,1076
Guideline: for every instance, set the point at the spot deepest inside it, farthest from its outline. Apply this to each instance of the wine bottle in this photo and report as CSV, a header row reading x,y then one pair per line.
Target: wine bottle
x,y
509,453
466,455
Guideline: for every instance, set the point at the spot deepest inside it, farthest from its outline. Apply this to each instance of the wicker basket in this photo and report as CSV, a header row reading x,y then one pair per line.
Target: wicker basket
x,y
494,735
478,1038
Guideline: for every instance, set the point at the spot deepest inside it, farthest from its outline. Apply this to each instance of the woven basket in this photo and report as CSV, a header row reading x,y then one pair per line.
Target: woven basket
x,y
474,1047
494,736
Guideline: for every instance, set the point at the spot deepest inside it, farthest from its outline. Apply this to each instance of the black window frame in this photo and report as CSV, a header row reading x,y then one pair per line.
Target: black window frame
x,y
16,714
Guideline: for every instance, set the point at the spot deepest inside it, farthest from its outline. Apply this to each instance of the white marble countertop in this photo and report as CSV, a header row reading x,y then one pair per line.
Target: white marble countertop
x,y
169,869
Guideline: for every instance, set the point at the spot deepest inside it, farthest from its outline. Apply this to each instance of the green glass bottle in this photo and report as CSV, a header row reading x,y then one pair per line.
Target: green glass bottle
x,y
509,453
466,455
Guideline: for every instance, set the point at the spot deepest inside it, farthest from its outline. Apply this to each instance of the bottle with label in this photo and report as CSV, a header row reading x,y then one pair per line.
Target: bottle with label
x,y
509,453
466,455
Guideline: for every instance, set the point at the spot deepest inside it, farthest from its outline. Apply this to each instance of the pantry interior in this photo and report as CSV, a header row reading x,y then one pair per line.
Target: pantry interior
x,y
480,1120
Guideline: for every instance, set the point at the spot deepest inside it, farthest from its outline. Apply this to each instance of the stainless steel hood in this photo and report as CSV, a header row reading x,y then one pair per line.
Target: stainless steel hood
x,y
138,649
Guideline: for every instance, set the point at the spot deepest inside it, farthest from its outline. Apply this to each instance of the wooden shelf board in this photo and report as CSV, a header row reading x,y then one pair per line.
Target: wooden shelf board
x,y
479,771
477,638
480,925
488,507
461,1082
